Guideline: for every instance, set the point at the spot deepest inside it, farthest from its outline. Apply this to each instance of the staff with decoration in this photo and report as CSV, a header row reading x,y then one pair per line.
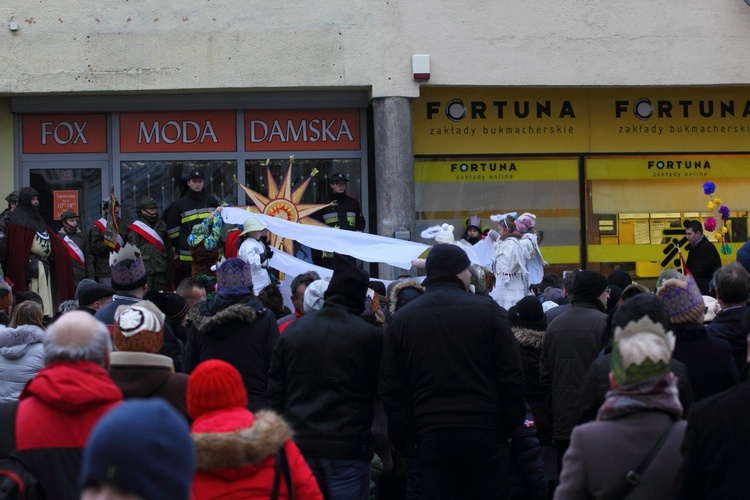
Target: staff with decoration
x,y
703,257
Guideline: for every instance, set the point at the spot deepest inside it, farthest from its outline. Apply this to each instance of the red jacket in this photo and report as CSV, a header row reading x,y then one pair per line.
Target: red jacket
x,y
236,456
56,412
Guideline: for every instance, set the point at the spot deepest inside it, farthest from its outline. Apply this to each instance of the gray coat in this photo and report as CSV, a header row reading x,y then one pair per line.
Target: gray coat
x,y
21,357
601,453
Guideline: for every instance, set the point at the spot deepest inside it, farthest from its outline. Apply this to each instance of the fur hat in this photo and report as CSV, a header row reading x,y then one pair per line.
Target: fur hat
x,y
402,292
214,385
143,447
589,285
528,313
234,273
525,222
634,363
138,328
348,286
682,300
127,269
446,260
314,293
90,293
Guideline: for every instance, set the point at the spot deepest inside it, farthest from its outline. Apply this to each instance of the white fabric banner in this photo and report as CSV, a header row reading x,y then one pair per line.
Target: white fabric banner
x,y
362,246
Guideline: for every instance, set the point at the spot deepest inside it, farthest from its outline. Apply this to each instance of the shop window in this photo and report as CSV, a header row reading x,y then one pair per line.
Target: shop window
x,y
165,181
76,188
452,189
256,176
639,204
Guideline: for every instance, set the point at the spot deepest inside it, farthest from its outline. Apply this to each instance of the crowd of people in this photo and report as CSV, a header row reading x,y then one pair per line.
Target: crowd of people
x,y
170,372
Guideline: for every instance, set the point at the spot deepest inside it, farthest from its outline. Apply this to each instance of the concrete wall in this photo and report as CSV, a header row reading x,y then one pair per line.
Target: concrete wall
x,y
136,46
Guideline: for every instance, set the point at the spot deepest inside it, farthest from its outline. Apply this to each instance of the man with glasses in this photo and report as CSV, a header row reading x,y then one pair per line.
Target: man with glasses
x,y
703,259
343,212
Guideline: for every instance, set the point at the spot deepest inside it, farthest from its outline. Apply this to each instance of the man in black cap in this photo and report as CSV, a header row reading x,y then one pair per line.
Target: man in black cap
x,y
451,379
323,379
343,212
99,250
93,296
12,200
77,244
571,343
149,234
182,215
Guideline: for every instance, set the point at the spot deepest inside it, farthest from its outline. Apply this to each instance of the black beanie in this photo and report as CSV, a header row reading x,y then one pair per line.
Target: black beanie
x,y
528,313
348,285
446,259
589,285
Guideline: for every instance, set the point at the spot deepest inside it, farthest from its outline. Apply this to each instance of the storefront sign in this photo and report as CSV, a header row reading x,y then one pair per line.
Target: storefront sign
x,y
496,170
178,131
302,130
642,119
65,133
665,167
64,200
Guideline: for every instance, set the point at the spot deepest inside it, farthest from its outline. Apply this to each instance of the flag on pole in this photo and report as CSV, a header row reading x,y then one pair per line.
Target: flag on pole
x,y
112,232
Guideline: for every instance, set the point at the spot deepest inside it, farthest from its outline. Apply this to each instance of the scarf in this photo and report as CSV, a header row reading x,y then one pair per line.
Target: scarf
x,y
653,394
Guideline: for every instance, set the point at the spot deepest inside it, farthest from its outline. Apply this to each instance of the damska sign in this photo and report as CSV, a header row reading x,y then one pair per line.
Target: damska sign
x,y
178,131
65,133
302,130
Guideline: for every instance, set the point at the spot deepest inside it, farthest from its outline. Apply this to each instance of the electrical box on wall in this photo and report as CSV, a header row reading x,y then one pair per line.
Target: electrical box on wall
x,y
420,66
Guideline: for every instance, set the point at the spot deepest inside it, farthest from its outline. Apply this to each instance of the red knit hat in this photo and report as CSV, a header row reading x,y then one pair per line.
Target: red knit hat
x,y
214,385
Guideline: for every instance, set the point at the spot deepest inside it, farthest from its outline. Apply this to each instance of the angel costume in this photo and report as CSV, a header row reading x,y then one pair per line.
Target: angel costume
x,y
512,253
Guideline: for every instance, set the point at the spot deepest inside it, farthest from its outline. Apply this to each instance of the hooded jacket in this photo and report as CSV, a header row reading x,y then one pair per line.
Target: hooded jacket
x,y
237,455
240,331
21,357
57,410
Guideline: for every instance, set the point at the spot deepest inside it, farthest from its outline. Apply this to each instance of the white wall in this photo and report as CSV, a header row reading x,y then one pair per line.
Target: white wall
x,y
147,46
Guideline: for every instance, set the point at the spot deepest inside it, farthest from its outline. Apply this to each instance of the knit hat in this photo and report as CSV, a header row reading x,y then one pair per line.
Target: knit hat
x,y
143,447
589,285
475,222
138,328
442,233
348,286
525,222
89,294
234,273
640,351
173,305
214,385
446,260
84,282
68,214
127,269
620,278
682,300
314,293
252,224
528,313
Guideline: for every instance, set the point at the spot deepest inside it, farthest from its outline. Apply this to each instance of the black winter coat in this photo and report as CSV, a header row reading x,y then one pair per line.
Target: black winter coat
x,y
702,261
727,326
241,332
323,380
450,360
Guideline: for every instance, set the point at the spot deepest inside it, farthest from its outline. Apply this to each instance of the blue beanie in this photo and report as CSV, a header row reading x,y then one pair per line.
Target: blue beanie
x,y
143,447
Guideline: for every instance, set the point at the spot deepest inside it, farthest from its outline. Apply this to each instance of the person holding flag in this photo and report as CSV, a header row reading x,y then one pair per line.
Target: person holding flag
x,y
104,238
149,234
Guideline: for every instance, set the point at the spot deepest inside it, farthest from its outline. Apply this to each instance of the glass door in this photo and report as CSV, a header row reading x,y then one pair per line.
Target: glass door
x,y
80,186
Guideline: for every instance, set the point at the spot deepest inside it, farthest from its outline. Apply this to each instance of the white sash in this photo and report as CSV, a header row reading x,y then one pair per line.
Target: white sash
x,y
72,245
149,234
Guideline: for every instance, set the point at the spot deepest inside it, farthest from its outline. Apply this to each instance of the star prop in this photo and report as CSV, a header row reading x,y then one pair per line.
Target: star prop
x,y
283,203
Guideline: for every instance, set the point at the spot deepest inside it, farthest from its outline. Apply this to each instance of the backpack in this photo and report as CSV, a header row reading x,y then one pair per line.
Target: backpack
x,y
16,481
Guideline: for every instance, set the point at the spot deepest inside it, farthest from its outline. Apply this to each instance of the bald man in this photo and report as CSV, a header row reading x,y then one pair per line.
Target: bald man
x,y
59,407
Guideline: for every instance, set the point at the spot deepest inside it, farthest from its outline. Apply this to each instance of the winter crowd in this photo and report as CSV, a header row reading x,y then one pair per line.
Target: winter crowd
x,y
479,381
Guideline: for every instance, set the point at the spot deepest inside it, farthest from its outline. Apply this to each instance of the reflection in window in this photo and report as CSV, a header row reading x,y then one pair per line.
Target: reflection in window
x,y
165,181
88,183
256,176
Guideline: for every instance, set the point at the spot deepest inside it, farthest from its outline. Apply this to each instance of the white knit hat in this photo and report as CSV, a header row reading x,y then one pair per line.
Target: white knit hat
x,y
314,295
442,233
